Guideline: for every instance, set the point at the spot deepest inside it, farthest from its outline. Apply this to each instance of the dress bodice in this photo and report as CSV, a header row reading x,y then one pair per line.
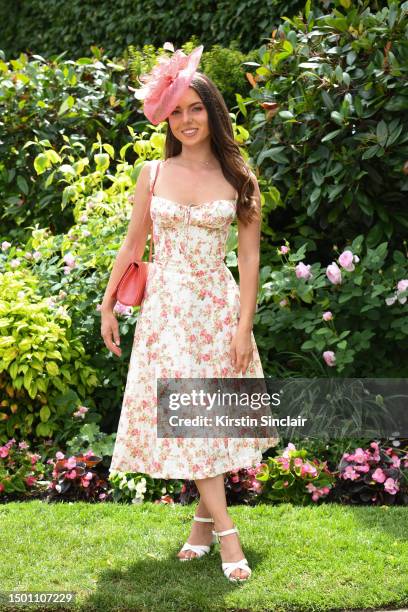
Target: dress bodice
x,y
193,235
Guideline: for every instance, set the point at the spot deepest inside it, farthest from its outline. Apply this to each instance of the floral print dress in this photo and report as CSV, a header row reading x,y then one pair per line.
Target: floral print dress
x,y
186,323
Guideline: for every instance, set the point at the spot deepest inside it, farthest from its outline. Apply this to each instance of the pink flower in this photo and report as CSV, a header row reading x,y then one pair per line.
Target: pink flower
x,y
346,260
330,358
307,468
34,458
71,475
298,462
360,456
1,487
391,486
303,271
378,475
122,309
333,273
362,468
283,303
4,451
59,455
283,250
5,245
71,463
290,447
327,316
23,444
349,473
396,462
401,287
69,260
30,480
235,478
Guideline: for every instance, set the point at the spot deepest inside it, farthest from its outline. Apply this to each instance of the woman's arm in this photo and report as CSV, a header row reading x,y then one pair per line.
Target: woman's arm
x,y
136,235
248,267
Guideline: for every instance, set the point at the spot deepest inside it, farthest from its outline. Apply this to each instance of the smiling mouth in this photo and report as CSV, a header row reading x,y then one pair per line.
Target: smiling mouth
x,y
190,132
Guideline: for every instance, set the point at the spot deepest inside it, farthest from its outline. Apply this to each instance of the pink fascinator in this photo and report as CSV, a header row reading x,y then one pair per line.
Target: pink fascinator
x,y
166,83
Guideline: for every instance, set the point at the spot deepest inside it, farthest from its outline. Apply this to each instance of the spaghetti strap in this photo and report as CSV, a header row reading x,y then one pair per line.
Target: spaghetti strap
x,y
153,166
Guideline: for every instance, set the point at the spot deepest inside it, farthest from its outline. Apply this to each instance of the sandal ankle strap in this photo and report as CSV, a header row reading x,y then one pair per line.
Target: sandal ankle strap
x,y
202,519
226,532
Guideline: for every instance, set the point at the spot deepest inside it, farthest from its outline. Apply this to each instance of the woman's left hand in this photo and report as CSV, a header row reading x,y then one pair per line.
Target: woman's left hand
x,y
241,350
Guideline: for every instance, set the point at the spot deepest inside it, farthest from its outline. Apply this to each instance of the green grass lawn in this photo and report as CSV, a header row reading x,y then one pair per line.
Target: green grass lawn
x,y
122,557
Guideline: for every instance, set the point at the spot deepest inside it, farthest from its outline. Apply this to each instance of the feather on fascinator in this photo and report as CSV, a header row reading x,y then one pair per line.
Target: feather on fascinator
x,y
166,83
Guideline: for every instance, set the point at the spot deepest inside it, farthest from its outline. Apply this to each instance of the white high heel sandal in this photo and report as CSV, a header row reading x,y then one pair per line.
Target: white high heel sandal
x,y
229,567
199,549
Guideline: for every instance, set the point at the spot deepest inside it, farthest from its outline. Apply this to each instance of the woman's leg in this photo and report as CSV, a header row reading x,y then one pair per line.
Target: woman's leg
x,y
212,493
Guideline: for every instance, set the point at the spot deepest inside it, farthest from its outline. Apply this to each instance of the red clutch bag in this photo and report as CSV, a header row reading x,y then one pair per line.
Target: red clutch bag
x,y
131,286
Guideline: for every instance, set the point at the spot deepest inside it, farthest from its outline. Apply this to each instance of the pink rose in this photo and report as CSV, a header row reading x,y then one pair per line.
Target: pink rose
x,y
327,316
330,358
402,285
333,273
303,271
346,260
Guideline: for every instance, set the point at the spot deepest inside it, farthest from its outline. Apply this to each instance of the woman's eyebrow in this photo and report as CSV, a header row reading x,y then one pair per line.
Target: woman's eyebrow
x,y
192,104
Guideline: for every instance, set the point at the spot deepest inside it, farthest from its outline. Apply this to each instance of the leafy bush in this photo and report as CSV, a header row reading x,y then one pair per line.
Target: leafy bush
x,y
329,128
43,366
136,488
77,478
340,315
376,475
51,105
42,27
293,477
20,470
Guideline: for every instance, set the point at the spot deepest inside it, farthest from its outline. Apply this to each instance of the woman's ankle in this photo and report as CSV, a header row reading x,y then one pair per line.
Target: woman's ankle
x,y
223,524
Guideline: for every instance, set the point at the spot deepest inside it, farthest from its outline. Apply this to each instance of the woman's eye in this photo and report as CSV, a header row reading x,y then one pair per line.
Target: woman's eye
x,y
197,108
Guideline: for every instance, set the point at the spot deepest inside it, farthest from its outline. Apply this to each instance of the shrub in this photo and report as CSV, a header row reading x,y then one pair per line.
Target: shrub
x,y
376,475
77,478
293,477
329,128
43,366
340,315
20,470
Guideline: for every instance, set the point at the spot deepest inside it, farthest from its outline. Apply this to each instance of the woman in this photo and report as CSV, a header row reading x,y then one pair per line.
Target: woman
x,y
194,320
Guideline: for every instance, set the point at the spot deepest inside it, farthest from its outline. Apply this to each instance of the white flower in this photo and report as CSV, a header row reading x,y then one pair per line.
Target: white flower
x,y
131,484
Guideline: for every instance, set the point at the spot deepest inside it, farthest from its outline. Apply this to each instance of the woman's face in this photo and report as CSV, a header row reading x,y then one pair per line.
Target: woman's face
x,y
190,114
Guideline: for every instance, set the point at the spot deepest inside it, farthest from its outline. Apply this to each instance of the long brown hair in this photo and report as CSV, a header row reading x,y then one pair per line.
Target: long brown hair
x,y
223,146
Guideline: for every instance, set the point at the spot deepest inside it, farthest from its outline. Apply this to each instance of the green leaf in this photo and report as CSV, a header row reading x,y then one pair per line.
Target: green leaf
x,y
22,184
45,413
382,133
52,368
67,104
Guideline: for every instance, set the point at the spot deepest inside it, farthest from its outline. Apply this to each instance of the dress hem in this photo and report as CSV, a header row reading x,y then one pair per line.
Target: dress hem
x,y
243,464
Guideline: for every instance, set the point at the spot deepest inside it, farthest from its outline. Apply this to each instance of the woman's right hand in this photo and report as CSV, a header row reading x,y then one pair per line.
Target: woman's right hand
x,y
110,332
